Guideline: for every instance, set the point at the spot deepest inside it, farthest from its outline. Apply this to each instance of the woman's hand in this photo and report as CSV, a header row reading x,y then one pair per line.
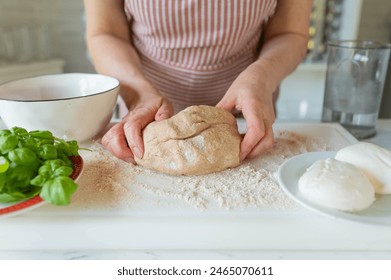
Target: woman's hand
x,y
109,44
285,45
124,140
249,95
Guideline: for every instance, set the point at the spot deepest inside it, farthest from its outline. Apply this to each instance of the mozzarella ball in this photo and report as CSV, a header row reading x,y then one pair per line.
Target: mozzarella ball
x,y
338,185
373,160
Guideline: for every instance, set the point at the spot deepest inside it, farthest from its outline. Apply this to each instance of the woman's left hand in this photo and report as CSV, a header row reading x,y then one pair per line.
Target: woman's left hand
x,y
249,94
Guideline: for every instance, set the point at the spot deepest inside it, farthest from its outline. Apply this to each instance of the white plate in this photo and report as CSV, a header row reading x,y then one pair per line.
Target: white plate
x,y
12,209
379,213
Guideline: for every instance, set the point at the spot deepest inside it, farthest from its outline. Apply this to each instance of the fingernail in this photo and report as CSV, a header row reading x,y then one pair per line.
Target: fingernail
x,y
130,160
242,157
163,116
137,152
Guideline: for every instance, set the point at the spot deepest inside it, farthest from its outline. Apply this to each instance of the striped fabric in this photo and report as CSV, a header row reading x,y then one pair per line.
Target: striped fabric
x,y
192,50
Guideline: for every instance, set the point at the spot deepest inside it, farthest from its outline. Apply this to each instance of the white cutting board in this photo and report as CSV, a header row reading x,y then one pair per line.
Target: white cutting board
x,y
152,227
334,134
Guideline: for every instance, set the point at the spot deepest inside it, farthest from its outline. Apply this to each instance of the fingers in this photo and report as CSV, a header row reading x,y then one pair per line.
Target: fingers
x,y
165,111
124,140
114,140
226,103
133,126
259,135
264,144
255,132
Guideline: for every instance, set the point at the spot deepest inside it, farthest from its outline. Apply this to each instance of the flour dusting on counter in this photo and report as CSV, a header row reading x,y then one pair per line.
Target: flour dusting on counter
x,y
104,181
108,182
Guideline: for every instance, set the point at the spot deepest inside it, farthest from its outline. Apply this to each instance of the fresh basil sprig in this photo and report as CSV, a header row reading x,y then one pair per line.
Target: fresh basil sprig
x,y
36,163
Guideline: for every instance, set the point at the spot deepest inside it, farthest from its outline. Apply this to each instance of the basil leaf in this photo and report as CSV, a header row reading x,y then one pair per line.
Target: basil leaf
x,y
19,176
67,148
12,197
45,171
38,180
63,171
58,191
42,134
3,180
48,151
36,162
23,156
7,143
4,164
5,132
19,131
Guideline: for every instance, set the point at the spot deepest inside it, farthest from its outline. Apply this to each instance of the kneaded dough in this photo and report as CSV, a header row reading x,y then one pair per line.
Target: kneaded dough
x,y
373,160
336,184
198,140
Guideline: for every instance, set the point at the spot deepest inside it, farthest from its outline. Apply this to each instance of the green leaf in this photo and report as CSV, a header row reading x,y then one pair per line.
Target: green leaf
x,y
67,148
30,143
32,191
23,156
19,132
4,164
5,132
7,143
63,171
3,180
48,151
45,171
58,191
73,148
36,162
54,163
54,168
38,180
42,134
18,176
66,160
12,197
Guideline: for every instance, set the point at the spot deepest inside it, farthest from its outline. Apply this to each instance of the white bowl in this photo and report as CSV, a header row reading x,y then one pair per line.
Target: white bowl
x,y
74,106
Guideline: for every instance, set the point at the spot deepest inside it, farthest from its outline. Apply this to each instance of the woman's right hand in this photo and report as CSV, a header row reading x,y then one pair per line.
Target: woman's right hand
x,y
124,139
109,44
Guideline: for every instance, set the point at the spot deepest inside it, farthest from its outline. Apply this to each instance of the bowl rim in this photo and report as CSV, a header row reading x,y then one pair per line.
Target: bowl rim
x,y
63,98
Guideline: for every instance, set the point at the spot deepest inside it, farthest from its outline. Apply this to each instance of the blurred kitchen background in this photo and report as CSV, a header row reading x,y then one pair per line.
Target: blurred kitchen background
x,y
47,36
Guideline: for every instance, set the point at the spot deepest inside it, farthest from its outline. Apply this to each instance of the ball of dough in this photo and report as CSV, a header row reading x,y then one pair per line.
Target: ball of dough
x,y
374,161
336,184
197,140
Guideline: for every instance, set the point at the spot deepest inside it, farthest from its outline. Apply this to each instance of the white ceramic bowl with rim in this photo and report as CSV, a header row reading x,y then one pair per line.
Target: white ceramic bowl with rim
x,y
73,106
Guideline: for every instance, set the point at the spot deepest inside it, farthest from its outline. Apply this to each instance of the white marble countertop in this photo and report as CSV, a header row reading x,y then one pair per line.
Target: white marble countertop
x,y
349,236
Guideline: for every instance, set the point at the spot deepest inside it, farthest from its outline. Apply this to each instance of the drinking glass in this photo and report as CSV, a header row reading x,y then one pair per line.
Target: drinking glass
x,y
356,72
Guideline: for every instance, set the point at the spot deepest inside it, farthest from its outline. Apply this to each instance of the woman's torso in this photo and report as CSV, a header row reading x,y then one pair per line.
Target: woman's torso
x,y
192,50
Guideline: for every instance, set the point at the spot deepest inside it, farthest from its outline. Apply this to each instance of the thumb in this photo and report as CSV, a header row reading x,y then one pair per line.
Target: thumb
x,y
226,103
165,111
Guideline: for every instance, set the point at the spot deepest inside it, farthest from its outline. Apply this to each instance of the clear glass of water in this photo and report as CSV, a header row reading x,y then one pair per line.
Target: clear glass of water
x,y
356,73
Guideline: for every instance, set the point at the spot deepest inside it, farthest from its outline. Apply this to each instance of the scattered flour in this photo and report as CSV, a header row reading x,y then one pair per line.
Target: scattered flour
x,y
108,182
104,180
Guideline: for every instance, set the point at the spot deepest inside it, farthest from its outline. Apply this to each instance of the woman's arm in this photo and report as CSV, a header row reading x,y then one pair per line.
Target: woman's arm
x,y
286,38
109,44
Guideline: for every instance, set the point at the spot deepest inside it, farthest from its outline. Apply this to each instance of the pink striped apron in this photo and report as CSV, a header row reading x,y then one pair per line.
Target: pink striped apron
x,y
192,50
